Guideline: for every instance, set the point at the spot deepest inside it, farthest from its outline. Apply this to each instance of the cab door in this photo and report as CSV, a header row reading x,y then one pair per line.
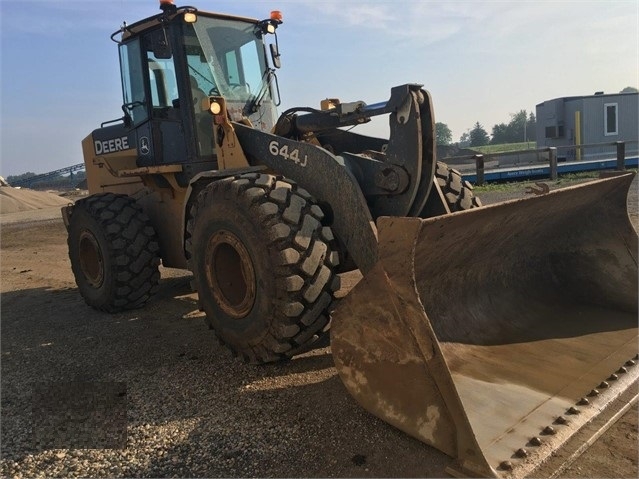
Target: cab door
x,y
151,97
167,117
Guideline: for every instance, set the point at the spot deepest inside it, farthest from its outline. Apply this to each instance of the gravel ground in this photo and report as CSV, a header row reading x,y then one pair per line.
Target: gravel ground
x,y
192,409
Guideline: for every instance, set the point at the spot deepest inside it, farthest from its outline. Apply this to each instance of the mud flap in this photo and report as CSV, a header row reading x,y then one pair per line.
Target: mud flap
x,y
495,334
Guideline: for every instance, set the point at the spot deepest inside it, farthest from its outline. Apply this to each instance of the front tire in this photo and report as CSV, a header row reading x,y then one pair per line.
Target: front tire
x,y
458,192
263,265
114,252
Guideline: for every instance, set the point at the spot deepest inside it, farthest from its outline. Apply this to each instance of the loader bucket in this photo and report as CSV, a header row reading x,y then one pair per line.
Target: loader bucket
x,y
497,333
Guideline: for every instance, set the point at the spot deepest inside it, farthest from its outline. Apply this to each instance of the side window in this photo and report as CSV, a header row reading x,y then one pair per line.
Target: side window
x,y
201,84
161,71
133,81
199,68
251,66
162,81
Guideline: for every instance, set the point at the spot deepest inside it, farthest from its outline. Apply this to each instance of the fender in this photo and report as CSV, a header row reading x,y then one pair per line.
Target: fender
x,y
323,176
199,181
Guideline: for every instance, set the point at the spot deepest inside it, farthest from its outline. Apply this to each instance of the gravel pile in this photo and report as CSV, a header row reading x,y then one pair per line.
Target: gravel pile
x,y
13,200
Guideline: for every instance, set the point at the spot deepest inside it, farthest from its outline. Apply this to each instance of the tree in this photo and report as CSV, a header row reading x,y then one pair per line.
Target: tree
x,y
500,134
23,176
629,89
520,128
478,136
464,139
443,134
531,127
517,126
57,181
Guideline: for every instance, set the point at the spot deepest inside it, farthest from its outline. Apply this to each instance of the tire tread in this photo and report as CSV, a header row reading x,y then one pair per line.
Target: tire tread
x,y
302,251
133,246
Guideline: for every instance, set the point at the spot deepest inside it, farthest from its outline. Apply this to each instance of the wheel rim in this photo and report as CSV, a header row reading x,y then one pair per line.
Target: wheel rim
x,y
230,274
91,260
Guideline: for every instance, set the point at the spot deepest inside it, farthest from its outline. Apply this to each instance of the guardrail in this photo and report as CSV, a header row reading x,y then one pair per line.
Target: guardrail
x,y
545,161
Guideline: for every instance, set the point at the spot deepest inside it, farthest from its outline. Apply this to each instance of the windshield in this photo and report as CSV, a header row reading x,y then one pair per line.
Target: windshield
x,y
226,58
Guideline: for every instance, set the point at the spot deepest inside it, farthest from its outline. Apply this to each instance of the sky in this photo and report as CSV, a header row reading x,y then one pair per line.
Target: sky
x,y
481,60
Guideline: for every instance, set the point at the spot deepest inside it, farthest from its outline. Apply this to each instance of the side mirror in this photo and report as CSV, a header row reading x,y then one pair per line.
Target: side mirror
x,y
161,46
162,51
275,56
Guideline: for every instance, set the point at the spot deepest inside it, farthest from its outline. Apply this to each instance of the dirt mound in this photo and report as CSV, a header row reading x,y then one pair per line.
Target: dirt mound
x,y
13,200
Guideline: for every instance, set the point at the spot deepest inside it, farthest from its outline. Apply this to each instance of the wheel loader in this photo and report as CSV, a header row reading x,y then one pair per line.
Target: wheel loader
x,y
496,334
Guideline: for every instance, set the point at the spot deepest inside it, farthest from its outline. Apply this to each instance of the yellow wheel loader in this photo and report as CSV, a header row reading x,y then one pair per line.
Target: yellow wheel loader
x,y
494,334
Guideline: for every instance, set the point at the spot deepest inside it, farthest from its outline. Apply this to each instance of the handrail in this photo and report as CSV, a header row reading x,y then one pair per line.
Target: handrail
x,y
549,152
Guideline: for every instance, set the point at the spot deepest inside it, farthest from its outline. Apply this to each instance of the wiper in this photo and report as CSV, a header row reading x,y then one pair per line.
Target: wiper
x,y
254,103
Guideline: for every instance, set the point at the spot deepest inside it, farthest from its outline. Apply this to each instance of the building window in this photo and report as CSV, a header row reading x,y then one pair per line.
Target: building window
x,y
555,131
551,132
610,119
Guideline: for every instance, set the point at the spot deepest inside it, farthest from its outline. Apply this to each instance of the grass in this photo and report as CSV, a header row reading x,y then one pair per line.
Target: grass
x,y
506,147
561,181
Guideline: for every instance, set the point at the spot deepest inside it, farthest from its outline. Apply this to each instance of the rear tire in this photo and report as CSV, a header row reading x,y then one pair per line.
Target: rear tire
x,y
263,265
114,252
458,192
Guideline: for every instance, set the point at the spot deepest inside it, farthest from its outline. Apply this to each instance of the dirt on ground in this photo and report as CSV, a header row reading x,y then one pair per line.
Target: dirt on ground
x,y
193,410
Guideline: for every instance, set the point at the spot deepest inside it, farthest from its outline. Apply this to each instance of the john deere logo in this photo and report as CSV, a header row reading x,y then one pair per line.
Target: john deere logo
x,y
144,145
103,147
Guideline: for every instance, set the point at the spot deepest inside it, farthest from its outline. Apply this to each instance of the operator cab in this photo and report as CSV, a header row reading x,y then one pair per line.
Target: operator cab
x,y
172,63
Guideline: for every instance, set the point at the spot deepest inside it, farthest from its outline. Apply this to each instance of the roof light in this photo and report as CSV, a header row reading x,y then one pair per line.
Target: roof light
x,y
190,17
270,24
167,6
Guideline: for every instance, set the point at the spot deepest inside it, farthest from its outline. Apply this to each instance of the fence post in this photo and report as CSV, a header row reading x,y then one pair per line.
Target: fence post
x,y
621,155
479,166
552,157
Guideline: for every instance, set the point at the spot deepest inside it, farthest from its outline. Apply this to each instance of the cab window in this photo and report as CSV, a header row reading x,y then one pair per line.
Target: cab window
x,y
133,81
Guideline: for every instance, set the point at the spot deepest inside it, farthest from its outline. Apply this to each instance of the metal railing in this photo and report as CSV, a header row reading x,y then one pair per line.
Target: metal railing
x,y
549,157
31,180
482,163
